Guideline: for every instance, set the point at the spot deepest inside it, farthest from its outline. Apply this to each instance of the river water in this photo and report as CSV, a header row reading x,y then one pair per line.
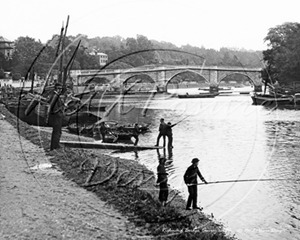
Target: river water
x,y
233,140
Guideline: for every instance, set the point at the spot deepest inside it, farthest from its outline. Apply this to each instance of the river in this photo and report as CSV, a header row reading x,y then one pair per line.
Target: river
x,y
233,140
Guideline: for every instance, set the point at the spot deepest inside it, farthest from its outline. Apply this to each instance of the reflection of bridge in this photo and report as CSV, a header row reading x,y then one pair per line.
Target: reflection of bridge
x,y
163,75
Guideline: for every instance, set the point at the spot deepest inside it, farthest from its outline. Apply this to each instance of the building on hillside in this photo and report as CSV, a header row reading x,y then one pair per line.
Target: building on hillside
x,y
6,47
103,58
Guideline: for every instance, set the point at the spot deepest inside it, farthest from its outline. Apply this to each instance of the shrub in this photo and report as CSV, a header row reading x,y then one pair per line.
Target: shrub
x,y
16,76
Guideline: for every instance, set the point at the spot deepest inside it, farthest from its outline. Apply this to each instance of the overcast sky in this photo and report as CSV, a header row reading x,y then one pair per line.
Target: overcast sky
x,y
211,23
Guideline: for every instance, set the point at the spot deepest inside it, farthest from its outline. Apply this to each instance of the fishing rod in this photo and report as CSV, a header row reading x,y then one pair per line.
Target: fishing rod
x,y
248,180
181,120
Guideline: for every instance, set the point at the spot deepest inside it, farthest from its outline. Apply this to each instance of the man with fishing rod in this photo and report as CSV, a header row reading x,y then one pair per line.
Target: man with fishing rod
x,y
190,179
166,130
162,132
169,134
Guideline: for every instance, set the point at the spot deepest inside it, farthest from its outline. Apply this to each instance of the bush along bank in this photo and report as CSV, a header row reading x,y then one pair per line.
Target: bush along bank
x,y
127,186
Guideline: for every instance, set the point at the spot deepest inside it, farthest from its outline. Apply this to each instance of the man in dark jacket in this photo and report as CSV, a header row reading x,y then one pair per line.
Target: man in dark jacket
x,y
162,181
169,134
135,133
162,132
55,116
190,179
103,131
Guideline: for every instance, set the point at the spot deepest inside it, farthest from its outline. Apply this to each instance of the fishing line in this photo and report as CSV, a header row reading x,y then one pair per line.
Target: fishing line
x,y
249,180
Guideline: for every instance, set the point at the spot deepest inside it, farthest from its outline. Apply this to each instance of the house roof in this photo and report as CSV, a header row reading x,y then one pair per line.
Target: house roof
x,y
4,40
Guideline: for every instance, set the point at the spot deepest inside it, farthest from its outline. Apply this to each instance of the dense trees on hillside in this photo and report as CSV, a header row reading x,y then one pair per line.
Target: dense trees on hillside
x,y
120,49
283,56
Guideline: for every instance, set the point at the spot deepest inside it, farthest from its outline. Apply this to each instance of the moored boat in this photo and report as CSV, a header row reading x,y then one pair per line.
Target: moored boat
x,y
101,145
198,95
115,131
37,117
271,100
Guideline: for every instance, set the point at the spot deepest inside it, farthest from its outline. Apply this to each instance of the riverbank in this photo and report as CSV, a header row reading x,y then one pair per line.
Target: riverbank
x,y
124,185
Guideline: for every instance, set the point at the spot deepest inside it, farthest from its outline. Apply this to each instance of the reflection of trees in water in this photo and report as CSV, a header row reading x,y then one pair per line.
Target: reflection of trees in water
x,y
283,138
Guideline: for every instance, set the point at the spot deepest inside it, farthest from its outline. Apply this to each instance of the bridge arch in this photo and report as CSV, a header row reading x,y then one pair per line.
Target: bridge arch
x,y
186,71
147,83
237,73
182,72
188,83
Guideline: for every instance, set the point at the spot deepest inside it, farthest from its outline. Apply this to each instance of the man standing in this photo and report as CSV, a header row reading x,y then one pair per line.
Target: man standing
x,y
190,179
103,131
162,181
169,134
135,133
162,132
55,116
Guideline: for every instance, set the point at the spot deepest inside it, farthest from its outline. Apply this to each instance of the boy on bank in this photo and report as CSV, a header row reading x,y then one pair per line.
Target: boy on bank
x,y
190,179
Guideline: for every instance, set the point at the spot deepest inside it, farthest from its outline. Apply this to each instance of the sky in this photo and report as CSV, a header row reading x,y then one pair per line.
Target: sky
x,y
235,24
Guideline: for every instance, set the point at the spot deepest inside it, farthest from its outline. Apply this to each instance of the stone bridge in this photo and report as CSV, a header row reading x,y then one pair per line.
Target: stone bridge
x,y
161,76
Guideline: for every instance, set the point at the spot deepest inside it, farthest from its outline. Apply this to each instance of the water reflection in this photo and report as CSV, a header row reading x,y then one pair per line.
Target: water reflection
x,y
233,140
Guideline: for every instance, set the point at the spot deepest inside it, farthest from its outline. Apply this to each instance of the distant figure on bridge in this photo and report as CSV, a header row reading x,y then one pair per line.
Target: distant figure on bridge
x,y
162,132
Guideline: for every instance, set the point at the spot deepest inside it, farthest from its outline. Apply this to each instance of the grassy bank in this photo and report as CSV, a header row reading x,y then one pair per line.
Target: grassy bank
x,y
127,186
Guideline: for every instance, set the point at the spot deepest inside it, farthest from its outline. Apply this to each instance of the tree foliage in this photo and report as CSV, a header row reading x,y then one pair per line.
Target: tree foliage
x,y
283,56
120,49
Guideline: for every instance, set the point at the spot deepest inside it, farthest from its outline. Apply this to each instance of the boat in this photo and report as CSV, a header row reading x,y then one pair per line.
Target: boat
x,y
115,132
80,129
272,100
32,105
198,95
119,132
38,117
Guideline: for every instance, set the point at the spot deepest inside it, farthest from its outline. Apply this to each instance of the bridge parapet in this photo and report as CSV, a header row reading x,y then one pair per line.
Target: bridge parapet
x,y
162,75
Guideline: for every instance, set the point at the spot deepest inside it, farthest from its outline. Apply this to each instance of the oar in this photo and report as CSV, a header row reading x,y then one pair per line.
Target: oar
x,y
249,180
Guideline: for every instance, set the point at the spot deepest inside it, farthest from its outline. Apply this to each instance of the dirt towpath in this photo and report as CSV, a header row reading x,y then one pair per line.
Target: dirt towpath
x,y
37,202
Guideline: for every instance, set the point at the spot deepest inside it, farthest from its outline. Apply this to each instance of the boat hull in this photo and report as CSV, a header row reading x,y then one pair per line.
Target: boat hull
x,y
270,100
200,95
38,118
100,145
19,108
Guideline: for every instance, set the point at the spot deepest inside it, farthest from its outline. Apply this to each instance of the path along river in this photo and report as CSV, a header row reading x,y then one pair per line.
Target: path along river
x,y
234,140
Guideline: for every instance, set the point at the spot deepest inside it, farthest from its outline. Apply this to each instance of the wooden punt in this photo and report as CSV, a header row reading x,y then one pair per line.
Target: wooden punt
x,y
100,145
